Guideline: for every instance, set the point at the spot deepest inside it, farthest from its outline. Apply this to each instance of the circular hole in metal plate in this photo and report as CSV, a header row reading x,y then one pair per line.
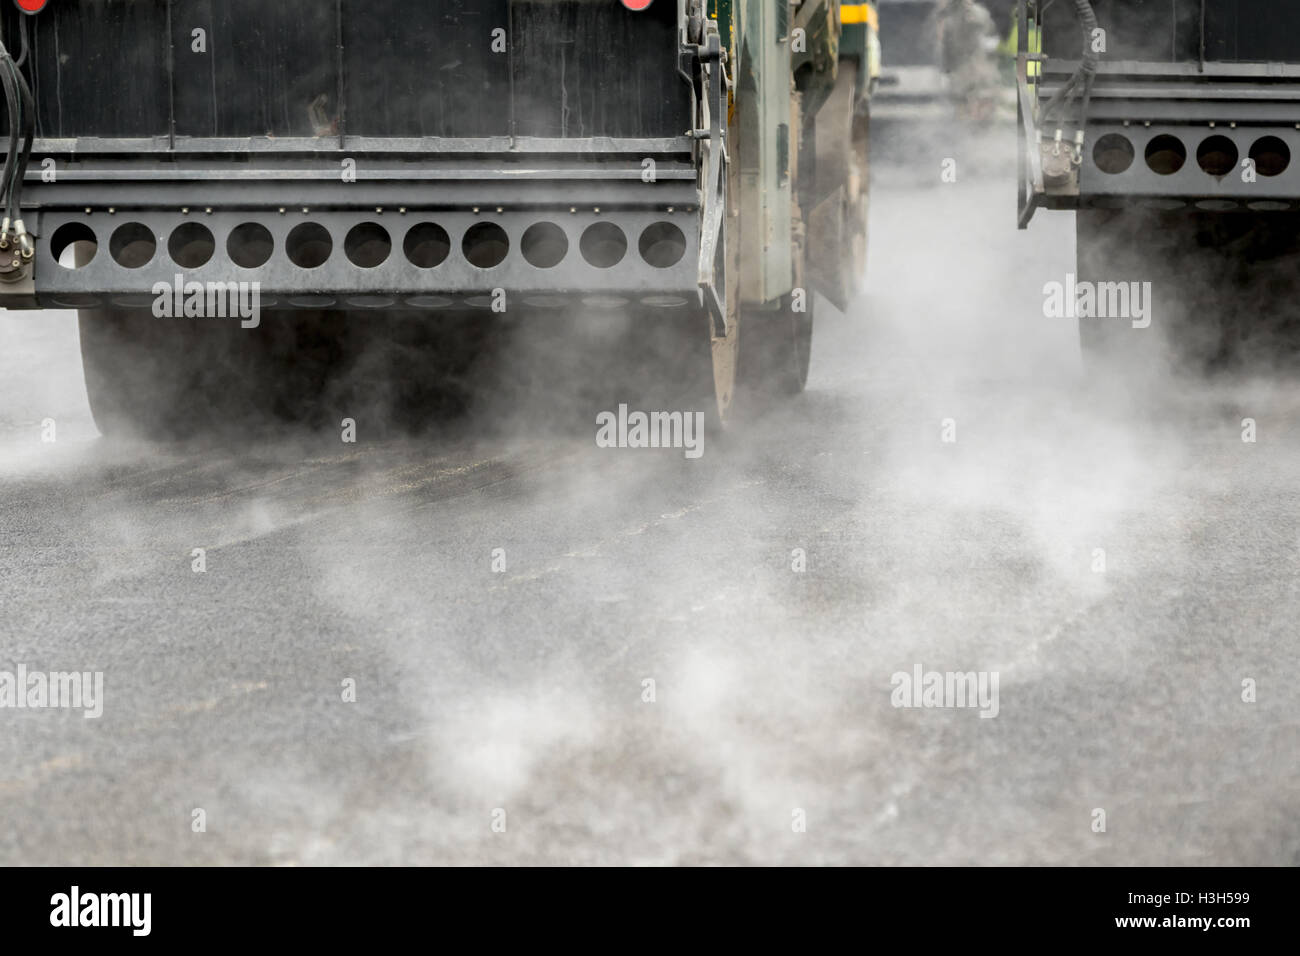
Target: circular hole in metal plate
x,y
74,245
1166,154
250,245
485,245
544,245
603,245
367,245
1113,153
427,245
662,245
309,245
133,245
191,245
479,301
1217,155
1269,205
1216,205
312,301
77,301
1271,155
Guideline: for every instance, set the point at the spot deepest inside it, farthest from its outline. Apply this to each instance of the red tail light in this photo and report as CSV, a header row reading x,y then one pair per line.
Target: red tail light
x,y
636,4
31,6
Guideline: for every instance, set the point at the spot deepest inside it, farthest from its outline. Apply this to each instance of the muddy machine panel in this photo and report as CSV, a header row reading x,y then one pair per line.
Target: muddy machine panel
x,y
1171,101
442,130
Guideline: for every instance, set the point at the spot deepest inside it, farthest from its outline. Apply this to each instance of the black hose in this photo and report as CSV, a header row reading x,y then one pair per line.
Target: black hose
x,y
12,99
1087,71
1088,17
22,127
1060,97
22,32
29,134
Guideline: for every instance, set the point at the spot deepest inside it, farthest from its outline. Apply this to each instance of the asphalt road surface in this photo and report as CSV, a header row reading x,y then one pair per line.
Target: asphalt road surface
x,y
1124,568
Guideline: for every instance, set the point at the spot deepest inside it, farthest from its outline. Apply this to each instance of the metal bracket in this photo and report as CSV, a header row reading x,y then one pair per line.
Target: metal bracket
x,y
1029,157
713,163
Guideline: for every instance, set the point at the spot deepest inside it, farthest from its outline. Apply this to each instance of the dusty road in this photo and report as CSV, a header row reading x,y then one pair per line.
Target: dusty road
x,y
1122,569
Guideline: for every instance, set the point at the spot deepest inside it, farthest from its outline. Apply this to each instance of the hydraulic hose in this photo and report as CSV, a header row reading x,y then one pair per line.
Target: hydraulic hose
x,y
29,135
22,31
1087,71
12,100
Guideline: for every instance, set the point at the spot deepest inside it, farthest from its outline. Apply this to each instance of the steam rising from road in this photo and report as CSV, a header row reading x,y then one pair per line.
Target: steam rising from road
x,y
963,497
